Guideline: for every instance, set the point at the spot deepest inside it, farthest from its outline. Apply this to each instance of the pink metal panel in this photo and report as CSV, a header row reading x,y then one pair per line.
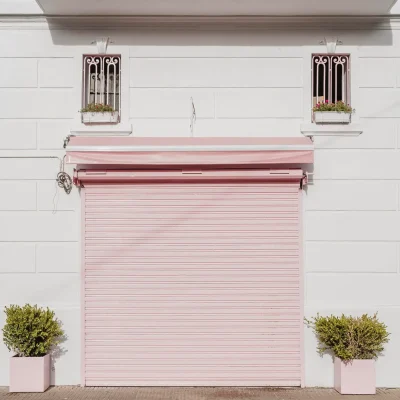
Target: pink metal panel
x,y
192,283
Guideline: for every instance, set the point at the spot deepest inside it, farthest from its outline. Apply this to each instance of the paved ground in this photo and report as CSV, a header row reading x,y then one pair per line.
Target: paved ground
x,y
72,393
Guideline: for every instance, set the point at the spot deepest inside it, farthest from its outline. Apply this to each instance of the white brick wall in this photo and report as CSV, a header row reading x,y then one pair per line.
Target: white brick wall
x,y
38,226
345,257
259,103
53,290
378,72
11,169
56,73
50,197
386,139
17,258
352,195
216,72
17,134
51,133
37,103
244,83
357,164
18,72
173,103
57,257
348,225
17,195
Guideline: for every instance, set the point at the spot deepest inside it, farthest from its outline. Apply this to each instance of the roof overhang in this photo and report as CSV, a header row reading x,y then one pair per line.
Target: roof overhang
x,y
216,7
153,152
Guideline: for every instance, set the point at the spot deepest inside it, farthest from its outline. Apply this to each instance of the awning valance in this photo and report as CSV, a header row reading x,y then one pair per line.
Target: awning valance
x,y
139,152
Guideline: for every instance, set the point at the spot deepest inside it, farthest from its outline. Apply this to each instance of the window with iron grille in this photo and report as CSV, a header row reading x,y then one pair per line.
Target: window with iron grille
x,y
102,80
330,78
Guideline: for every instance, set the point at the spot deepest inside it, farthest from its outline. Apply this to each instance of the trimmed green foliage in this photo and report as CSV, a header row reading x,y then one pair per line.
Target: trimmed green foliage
x,y
334,107
97,108
31,331
350,338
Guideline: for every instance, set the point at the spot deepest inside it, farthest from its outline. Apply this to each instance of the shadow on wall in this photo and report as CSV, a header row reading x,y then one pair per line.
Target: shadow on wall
x,y
56,353
214,31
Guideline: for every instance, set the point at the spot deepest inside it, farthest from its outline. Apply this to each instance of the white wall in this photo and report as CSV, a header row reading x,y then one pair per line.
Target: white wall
x,y
19,7
244,83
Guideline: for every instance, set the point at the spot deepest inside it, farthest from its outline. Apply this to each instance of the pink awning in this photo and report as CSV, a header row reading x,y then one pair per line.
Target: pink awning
x,y
141,152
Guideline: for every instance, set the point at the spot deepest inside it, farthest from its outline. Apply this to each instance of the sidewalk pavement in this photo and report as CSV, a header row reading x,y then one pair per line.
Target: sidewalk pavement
x,y
78,393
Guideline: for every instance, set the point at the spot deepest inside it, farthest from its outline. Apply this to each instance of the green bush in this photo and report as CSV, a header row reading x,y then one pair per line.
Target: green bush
x,y
334,107
350,338
31,331
97,108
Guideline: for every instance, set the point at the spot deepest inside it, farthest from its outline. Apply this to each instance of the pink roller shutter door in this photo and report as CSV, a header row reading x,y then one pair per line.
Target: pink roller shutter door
x,y
192,284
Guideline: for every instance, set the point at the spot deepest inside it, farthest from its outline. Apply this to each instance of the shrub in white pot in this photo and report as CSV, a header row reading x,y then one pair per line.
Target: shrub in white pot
x,y
98,113
30,332
332,113
355,343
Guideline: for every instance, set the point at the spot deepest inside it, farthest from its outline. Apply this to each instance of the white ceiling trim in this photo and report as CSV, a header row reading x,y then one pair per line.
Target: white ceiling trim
x,y
216,7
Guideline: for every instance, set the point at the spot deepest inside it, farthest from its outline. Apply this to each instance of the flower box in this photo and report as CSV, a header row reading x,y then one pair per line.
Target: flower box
x,y
332,117
107,117
29,374
355,377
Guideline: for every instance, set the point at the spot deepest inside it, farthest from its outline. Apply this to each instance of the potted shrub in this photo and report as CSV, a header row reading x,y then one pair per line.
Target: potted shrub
x,y
97,113
30,332
332,113
355,343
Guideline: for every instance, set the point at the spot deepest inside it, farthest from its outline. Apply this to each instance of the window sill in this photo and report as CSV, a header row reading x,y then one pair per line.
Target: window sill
x,y
310,129
121,129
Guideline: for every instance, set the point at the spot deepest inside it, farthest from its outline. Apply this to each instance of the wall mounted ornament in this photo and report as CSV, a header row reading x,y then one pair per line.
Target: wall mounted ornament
x,y
102,44
331,43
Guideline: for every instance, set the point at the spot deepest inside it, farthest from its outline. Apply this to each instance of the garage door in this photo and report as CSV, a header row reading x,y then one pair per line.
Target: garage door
x,y
192,283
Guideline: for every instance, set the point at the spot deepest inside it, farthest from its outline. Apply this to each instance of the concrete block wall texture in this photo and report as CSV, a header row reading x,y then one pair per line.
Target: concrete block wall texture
x,y
247,83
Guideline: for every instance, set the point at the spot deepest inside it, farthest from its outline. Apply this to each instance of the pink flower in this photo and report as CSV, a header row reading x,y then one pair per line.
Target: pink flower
x,y
318,106
327,101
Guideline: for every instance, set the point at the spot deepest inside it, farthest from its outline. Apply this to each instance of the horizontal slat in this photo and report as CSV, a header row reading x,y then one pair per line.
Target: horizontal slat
x,y
118,332
106,213
196,292
94,248
193,223
94,325
200,359
183,382
113,337
219,370
198,298
126,319
223,347
148,353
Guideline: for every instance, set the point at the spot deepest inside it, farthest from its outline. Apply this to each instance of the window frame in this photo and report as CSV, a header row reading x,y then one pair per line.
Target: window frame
x,y
344,59
118,87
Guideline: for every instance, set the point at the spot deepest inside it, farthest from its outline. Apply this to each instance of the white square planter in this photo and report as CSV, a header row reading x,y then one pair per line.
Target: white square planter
x,y
100,117
29,374
355,377
331,117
